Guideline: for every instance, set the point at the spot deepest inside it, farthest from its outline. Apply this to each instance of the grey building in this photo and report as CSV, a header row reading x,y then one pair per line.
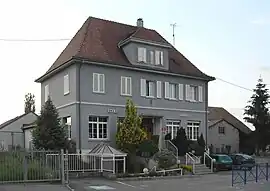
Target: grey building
x,y
107,62
224,131
12,134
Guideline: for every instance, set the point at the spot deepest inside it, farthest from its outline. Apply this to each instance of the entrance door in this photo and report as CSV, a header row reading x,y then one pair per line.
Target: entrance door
x,y
147,123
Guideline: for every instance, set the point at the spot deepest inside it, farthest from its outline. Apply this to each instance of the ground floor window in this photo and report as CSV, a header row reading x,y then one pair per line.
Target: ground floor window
x,y
172,126
67,123
193,130
98,127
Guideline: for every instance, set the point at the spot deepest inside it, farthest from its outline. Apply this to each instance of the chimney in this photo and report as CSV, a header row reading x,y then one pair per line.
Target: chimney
x,y
139,22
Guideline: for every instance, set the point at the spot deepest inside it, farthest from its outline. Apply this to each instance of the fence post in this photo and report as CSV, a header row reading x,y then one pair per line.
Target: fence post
x,y
245,176
266,171
24,166
256,172
62,166
66,167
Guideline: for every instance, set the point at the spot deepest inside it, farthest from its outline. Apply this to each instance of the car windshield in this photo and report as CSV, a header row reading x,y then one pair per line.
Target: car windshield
x,y
225,158
246,156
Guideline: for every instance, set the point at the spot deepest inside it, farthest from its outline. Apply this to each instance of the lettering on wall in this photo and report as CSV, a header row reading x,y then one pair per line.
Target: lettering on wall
x,y
112,110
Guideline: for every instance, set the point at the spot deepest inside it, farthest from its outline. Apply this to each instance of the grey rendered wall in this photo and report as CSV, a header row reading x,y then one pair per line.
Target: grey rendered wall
x,y
56,87
98,104
13,134
231,136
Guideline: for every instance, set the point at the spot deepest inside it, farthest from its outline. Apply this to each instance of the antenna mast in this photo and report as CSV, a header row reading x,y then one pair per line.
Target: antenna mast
x,y
173,26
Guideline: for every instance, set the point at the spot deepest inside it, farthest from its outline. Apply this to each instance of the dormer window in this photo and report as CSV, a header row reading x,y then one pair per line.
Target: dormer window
x,y
159,58
142,54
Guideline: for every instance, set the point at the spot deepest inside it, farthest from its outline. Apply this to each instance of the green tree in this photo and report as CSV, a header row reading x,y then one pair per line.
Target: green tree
x,y
257,114
130,133
201,141
29,103
49,133
181,142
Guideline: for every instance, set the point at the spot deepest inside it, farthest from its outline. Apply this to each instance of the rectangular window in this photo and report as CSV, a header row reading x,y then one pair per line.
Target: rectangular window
x,y
159,89
46,92
150,88
98,83
98,127
126,86
151,57
193,130
172,91
193,93
66,84
221,130
172,127
141,54
159,57
67,124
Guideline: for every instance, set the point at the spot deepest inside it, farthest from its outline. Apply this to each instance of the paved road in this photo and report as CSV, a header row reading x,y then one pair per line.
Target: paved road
x,y
33,187
215,182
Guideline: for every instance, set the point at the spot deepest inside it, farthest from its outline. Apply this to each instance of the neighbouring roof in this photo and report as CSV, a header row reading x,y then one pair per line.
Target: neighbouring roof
x,y
97,41
103,149
3,125
217,114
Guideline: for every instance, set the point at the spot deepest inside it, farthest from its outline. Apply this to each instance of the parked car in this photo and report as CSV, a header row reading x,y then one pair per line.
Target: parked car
x,y
243,161
222,162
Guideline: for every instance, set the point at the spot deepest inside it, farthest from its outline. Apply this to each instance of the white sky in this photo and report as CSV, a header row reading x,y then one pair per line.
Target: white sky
x,y
23,62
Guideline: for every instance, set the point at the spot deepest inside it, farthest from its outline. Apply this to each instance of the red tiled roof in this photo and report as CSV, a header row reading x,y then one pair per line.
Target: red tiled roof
x,y
97,40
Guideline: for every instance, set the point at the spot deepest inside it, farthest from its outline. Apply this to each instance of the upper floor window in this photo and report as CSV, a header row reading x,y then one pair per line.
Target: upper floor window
x,y
221,130
151,57
194,93
141,54
150,88
170,90
98,83
159,57
98,127
126,86
46,92
193,130
66,84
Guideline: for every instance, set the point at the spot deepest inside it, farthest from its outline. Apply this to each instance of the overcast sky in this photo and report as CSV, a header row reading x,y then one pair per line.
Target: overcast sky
x,y
226,39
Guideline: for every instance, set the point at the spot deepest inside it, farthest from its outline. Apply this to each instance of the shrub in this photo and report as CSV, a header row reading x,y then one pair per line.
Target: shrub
x,y
165,158
199,150
168,136
147,148
181,142
187,168
155,139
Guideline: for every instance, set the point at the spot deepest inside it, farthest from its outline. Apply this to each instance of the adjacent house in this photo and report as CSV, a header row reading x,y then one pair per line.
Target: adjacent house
x,y
224,131
12,135
107,62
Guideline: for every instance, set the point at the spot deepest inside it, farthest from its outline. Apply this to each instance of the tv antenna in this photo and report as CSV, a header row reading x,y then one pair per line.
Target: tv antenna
x,y
173,27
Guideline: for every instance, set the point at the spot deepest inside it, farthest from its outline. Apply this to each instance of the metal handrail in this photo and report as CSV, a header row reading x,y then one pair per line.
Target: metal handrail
x,y
193,161
196,157
176,149
212,161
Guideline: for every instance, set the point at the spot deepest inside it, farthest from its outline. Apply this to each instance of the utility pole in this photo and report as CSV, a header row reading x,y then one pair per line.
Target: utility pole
x,y
173,27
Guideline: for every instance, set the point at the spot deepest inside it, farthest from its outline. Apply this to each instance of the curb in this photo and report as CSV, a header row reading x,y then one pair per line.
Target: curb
x,y
155,178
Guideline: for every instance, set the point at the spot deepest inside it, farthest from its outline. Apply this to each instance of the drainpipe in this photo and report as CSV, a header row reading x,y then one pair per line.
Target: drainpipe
x,y
79,105
206,114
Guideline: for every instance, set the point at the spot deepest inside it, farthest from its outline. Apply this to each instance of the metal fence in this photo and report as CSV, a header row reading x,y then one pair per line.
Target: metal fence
x,y
29,166
243,175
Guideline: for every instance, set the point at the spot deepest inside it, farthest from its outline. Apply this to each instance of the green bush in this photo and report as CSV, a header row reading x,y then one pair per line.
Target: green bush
x,y
147,148
155,139
187,168
199,150
165,158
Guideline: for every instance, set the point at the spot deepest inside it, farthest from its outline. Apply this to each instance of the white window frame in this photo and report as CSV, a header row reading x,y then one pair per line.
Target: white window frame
x,y
98,87
46,92
159,58
67,124
150,88
193,92
66,84
124,86
193,128
141,54
100,135
172,126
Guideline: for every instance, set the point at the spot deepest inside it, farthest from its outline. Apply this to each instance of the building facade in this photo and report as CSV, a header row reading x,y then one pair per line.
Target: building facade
x,y
90,87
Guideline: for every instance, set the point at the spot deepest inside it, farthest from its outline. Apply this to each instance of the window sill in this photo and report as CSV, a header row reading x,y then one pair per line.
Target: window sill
x,y
126,95
66,93
171,99
150,97
98,92
98,139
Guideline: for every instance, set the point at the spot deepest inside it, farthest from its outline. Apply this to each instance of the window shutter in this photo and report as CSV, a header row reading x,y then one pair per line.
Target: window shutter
x,y
102,83
123,85
180,90
139,54
151,57
144,54
187,92
159,89
143,87
46,92
157,58
200,94
167,90
161,58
